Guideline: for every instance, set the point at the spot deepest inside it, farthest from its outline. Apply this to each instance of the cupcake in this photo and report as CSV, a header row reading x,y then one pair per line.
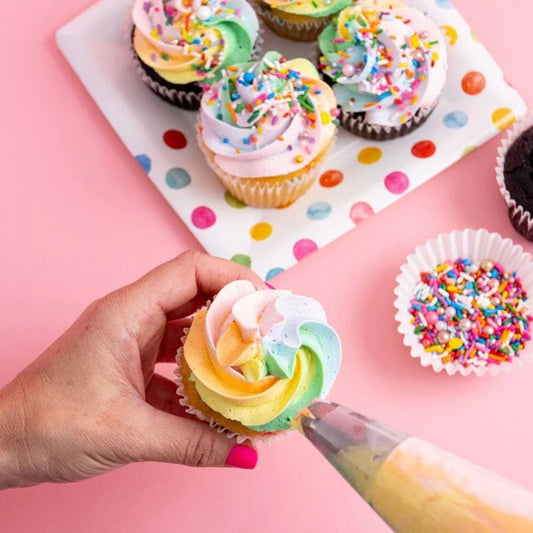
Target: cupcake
x,y
299,20
463,303
179,45
254,359
387,65
266,127
515,175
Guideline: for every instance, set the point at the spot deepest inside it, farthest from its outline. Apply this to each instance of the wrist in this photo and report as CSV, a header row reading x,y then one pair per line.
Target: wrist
x,y
13,445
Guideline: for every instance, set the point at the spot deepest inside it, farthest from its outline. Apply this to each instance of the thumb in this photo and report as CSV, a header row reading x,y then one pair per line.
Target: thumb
x,y
171,439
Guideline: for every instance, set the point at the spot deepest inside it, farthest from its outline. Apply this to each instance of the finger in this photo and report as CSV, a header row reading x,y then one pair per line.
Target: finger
x,y
190,307
161,394
167,438
171,341
180,280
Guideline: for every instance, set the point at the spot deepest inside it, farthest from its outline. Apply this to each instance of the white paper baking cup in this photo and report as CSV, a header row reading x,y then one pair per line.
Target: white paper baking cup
x,y
520,219
475,245
219,428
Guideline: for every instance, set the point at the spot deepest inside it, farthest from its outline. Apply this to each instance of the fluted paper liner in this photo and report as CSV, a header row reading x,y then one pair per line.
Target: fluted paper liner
x,y
261,194
520,218
475,245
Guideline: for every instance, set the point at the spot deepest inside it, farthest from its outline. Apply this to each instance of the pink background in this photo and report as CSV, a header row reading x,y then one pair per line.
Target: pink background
x,y
79,218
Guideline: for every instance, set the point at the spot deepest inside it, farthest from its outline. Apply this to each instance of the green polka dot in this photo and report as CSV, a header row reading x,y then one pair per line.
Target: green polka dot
x,y
242,260
177,178
468,150
232,201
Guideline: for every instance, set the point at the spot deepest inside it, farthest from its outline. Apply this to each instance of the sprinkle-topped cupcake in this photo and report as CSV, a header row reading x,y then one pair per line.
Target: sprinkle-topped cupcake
x,y
180,44
387,64
265,127
255,358
299,20
467,314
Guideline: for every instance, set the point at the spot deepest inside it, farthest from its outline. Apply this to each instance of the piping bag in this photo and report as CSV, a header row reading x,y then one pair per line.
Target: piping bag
x,y
413,485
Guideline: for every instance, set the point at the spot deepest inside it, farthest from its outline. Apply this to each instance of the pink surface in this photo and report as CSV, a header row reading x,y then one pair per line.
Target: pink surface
x,y
79,218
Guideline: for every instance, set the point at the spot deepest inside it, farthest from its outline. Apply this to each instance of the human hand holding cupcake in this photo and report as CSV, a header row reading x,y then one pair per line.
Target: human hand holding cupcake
x,y
181,44
265,127
387,64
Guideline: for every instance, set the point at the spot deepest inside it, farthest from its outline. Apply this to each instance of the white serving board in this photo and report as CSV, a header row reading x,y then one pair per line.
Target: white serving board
x,y
96,45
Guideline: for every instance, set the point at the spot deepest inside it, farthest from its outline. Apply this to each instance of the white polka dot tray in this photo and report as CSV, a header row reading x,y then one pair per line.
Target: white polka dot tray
x,y
360,177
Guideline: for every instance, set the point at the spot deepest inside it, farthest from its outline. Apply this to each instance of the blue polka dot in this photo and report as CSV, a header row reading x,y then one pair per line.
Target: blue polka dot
x,y
177,178
145,162
318,210
273,272
455,120
445,4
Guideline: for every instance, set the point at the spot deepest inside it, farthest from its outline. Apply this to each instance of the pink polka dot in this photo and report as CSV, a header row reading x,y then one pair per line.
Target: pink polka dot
x,y
303,248
397,182
360,211
203,217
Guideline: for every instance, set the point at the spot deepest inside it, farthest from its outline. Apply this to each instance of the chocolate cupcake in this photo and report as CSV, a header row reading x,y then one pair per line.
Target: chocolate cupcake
x,y
387,65
514,174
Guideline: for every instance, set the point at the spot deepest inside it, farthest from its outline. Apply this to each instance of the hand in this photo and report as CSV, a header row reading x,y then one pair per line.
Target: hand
x,y
92,402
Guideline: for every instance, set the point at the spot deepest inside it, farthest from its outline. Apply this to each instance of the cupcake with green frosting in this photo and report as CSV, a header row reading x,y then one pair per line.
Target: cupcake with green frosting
x,y
299,20
387,64
181,45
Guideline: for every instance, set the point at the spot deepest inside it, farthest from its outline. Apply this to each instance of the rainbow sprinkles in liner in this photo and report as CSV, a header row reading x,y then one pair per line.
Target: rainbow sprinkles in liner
x,y
469,314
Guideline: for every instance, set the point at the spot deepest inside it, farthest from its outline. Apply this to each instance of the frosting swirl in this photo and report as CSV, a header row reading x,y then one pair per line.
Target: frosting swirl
x,y
386,59
266,116
186,41
259,357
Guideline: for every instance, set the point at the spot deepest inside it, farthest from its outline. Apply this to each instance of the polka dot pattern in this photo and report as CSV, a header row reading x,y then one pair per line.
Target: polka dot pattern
x,y
273,272
331,178
397,182
233,202
242,259
203,217
175,139
318,211
177,178
455,120
303,248
145,162
503,117
261,231
360,211
473,83
424,149
369,155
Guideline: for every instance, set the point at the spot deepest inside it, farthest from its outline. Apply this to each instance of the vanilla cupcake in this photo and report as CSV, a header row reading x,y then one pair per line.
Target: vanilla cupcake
x,y
387,64
255,358
299,20
180,45
266,127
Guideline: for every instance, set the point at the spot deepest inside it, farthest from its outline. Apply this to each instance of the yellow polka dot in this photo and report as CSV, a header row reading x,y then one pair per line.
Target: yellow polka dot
x,y
469,150
261,231
503,117
325,117
369,155
451,34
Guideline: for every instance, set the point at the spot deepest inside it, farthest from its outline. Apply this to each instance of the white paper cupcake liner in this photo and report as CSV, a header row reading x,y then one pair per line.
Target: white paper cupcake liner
x,y
267,195
521,219
356,123
475,245
219,428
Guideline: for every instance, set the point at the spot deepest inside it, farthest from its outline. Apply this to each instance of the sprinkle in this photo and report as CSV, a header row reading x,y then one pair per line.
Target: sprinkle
x,y
231,112
299,159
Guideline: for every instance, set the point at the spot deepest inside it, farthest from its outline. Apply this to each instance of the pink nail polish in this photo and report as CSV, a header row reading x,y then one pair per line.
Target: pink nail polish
x,y
242,457
269,285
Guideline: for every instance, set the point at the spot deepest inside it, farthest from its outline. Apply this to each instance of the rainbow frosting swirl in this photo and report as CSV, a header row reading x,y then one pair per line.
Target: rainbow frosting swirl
x,y
268,118
187,41
385,59
260,356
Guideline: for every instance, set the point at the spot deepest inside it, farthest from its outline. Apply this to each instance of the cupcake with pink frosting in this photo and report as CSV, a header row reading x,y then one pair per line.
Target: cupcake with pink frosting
x,y
387,64
255,358
266,127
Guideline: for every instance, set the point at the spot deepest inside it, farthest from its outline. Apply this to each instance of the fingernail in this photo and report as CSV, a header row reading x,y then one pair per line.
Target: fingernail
x,y
242,457
269,285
